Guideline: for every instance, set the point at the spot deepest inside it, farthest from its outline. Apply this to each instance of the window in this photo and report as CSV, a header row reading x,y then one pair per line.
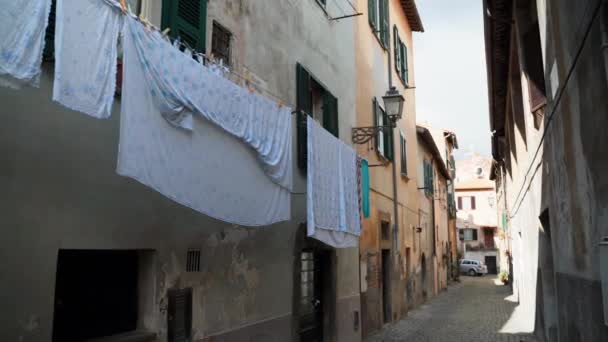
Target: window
x,y
534,68
468,234
429,187
193,260
400,52
403,153
377,12
466,202
187,21
384,139
220,43
312,99
384,230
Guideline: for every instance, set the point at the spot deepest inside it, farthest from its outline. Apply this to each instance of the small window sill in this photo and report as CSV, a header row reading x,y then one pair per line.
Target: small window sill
x,y
405,177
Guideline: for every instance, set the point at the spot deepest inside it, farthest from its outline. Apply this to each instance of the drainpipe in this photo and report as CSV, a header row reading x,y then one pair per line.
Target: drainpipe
x,y
394,125
604,28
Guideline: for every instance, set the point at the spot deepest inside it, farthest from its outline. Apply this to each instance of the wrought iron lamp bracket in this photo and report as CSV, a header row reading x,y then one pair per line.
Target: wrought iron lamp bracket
x,y
362,135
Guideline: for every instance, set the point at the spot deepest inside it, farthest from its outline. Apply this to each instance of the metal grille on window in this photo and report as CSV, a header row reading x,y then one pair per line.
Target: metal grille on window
x,y
220,43
193,262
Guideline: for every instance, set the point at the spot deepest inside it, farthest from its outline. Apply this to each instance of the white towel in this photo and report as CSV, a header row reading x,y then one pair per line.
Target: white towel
x,y
332,198
206,168
22,27
86,37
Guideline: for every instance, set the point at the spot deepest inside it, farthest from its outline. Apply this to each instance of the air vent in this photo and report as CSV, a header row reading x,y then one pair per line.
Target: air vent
x,y
193,261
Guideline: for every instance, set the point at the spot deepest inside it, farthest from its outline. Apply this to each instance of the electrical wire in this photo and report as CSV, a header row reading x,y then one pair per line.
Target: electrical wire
x,y
560,93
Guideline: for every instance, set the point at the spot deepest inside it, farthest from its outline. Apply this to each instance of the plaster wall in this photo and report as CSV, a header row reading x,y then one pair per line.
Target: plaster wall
x,y
60,190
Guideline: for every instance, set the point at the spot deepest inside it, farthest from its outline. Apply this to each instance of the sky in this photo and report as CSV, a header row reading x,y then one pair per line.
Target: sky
x,y
450,71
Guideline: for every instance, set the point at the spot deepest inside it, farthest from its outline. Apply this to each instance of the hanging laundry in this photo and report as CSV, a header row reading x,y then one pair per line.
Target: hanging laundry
x,y
86,38
332,201
205,168
181,87
365,188
23,25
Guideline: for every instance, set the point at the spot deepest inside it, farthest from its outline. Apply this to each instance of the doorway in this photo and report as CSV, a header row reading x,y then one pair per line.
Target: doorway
x,y
95,294
490,262
386,285
311,295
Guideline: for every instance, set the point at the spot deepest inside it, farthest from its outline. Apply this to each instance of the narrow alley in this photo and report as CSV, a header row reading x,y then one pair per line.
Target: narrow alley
x,y
477,309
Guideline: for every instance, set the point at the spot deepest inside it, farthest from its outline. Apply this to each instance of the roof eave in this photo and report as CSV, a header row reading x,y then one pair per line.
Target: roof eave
x,y
413,17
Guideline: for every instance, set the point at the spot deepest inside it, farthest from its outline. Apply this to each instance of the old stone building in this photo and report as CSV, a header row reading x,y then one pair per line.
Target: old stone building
x,y
547,74
384,59
80,239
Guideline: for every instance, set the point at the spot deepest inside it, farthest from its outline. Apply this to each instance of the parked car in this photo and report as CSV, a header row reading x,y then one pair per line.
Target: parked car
x,y
473,267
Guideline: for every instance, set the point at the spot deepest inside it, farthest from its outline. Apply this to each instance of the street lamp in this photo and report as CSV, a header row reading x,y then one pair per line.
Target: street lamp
x,y
393,105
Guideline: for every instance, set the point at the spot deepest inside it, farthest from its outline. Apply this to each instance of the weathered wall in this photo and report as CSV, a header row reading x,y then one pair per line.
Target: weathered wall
x,y
558,256
60,190
372,81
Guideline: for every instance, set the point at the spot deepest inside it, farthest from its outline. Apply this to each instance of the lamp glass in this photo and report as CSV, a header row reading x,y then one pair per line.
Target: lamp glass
x,y
393,104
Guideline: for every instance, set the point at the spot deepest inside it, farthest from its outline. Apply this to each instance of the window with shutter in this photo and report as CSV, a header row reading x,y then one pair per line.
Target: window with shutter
x,y
459,202
372,13
379,120
461,234
330,114
403,154
474,234
397,50
187,21
534,68
404,67
384,23
473,202
304,108
388,139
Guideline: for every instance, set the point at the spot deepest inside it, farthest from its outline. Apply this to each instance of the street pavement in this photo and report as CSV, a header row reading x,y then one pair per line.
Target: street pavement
x,y
476,310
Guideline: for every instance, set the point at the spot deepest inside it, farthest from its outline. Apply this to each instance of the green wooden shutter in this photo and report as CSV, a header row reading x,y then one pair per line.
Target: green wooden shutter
x,y
371,13
330,113
187,20
404,68
384,25
397,47
304,108
388,140
375,113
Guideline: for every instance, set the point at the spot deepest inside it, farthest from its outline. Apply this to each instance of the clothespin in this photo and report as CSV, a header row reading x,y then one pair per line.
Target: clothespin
x,y
166,31
123,5
280,103
249,83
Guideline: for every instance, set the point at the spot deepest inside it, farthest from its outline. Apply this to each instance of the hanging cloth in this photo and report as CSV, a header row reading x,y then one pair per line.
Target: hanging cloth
x,y
86,38
365,188
22,26
205,168
181,87
332,201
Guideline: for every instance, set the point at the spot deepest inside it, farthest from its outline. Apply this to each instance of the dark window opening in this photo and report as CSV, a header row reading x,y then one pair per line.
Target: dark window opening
x,y
313,99
193,261
95,294
385,230
220,43
403,154
313,278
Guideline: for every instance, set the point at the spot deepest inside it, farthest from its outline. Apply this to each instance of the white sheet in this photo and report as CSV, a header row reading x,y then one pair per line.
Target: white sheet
x,y
332,197
86,37
206,168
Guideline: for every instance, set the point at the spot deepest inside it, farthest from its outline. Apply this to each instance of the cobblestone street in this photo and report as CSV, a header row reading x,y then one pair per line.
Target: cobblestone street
x,y
473,311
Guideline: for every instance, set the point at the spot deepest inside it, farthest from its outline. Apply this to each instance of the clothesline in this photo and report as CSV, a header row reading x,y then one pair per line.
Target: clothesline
x,y
248,81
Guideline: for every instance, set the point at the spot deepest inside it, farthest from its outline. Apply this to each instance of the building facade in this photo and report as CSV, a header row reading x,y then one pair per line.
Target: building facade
x,y
477,223
74,228
434,210
388,256
547,75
